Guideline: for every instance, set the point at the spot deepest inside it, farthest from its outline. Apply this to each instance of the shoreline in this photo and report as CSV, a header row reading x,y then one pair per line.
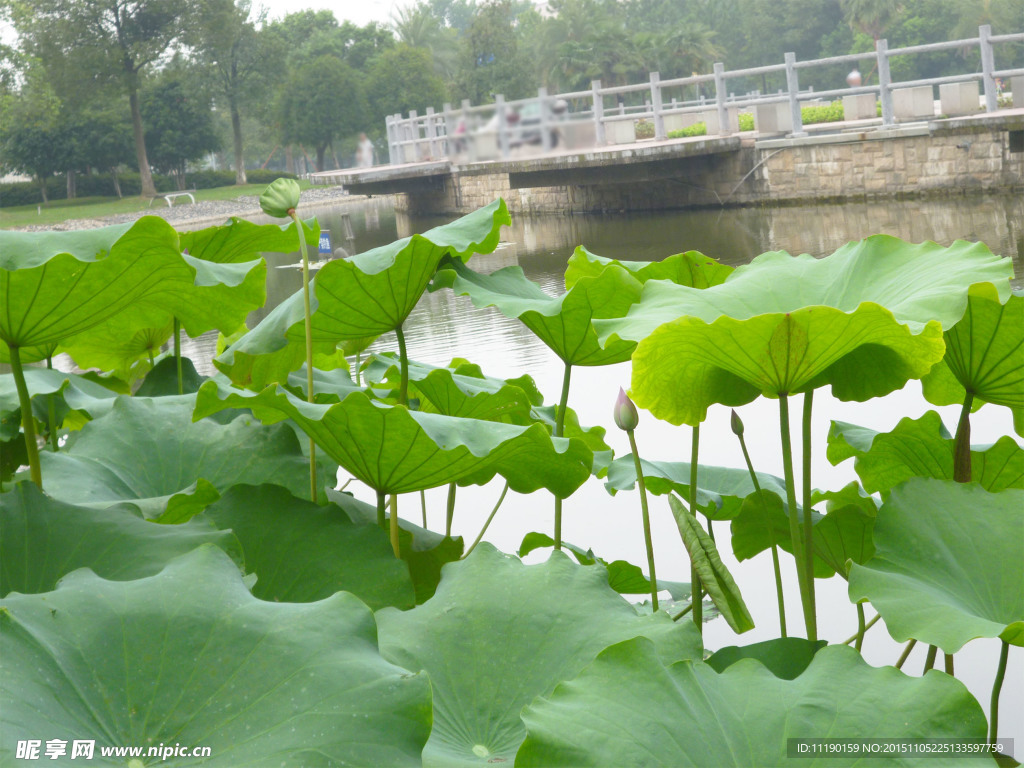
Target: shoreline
x,y
188,216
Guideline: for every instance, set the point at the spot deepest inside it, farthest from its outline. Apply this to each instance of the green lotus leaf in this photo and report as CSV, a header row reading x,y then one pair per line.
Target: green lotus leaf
x,y
395,450
863,320
162,379
624,577
562,323
720,490
841,535
984,354
715,577
189,656
443,390
947,564
150,453
240,240
43,540
691,268
921,448
330,386
30,354
113,346
366,295
630,708
785,657
302,552
76,389
515,630
424,551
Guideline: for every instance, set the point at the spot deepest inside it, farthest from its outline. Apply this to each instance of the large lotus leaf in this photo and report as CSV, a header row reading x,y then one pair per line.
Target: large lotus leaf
x,y
705,560
785,657
189,656
114,347
499,633
58,284
841,535
48,381
366,295
563,323
443,390
240,240
302,552
395,450
863,320
720,490
984,354
150,453
329,386
42,540
630,708
691,268
921,448
425,551
162,379
947,564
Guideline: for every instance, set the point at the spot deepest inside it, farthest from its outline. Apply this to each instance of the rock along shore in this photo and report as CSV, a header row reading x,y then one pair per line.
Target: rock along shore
x,y
186,215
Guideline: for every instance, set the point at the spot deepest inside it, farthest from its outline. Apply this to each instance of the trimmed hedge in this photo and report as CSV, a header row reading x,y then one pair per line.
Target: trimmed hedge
x,y
829,113
102,185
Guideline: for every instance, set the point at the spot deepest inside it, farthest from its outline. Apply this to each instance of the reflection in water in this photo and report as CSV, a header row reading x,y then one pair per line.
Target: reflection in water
x,y
443,326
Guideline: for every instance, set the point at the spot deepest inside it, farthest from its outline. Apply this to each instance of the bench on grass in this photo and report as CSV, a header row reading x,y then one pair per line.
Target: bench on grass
x,y
169,197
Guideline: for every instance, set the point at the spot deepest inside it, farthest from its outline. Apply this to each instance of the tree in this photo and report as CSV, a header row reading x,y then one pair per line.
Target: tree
x,y
325,101
180,124
400,80
30,133
237,59
492,61
105,38
872,17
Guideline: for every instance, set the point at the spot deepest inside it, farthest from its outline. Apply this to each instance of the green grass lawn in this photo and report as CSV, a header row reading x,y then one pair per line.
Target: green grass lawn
x,y
97,207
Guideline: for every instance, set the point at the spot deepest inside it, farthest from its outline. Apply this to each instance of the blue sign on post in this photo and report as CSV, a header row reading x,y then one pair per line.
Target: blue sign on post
x,y
325,242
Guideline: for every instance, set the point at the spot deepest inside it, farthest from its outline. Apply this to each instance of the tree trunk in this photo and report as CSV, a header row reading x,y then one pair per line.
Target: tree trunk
x,y
42,187
289,159
236,130
145,175
72,186
117,182
321,150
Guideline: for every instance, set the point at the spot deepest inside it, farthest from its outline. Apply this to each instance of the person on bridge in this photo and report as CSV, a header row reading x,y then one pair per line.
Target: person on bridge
x,y
364,152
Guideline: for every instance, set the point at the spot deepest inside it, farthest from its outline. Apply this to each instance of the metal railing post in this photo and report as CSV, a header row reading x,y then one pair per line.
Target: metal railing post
x,y
659,121
431,133
499,106
545,119
885,83
793,84
449,129
414,135
598,99
389,130
720,97
988,66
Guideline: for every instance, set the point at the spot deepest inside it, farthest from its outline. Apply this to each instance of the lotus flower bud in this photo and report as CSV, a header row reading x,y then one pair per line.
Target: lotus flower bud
x,y
626,416
280,198
737,424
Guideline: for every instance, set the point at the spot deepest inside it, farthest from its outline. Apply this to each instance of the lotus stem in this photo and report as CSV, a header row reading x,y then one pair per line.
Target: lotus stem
x,y
683,612
771,533
381,522
423,506
962,451
949,665
646,517
152,360
177,355
563,404
490,517
867,626
696,589
808,527
306,304
345,484
451,510
906,653
51,412
359,372
394,526
929,662
711,530
861,627
403,359
794,523
28,423
993,720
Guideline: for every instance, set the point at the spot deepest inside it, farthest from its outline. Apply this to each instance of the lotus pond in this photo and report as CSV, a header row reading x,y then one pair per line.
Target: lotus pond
x,y
173,571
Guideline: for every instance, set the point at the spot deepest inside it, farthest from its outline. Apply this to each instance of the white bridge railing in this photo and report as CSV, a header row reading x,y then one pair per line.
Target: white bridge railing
x,y
547,121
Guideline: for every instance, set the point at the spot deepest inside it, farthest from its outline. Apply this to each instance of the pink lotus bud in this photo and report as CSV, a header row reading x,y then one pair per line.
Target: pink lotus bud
x,y
626,416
